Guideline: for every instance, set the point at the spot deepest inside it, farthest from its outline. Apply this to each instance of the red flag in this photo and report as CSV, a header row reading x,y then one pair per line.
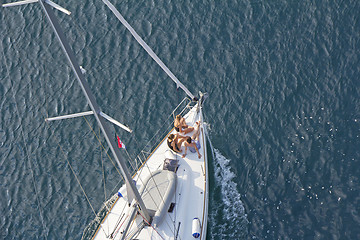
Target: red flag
x,y
120,143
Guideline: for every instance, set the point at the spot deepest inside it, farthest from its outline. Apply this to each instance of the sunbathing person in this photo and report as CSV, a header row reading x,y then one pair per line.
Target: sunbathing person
x,y
181,126
193,145
174,142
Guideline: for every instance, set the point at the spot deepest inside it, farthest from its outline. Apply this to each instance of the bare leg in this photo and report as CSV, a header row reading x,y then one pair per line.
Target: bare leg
x,y
180,136
188,129
175,145
196,133
180,142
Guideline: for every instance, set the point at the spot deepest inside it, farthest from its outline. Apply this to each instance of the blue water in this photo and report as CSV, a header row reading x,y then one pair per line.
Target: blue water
x,y
283,110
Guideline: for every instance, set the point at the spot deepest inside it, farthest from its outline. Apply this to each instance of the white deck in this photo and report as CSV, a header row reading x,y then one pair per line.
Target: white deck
x,y
191,195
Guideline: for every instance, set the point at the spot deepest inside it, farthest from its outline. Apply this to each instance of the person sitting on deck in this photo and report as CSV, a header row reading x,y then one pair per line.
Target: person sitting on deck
x,y
193,142
181,126
193,146
174,142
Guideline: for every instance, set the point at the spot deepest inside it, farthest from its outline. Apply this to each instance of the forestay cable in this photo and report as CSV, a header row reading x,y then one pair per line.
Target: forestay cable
x,y
148,49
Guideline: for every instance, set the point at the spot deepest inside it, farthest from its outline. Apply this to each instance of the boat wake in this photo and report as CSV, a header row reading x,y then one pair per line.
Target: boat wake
x,y
227,217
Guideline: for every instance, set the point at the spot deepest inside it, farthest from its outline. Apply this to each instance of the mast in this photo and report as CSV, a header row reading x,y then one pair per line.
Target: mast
x,y
130,186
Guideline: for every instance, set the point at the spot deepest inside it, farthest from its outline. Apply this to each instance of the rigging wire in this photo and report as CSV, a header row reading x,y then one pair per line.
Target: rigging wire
x,y
147,48
174,221
145,164
25,146
69,164
145,161
26,149
157,206
151,226
104,180
98,138
165,123
102,167
147,167
76,177
71,168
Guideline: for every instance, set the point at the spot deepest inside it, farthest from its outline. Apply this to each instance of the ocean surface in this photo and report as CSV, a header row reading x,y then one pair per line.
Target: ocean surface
x,y
283,78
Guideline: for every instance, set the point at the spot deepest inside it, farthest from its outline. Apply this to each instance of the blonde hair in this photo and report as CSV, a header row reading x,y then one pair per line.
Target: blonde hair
x,y
178,117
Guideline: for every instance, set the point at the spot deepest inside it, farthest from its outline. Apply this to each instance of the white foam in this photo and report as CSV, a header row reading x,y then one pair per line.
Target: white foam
x,y
228,218
234,207
233,222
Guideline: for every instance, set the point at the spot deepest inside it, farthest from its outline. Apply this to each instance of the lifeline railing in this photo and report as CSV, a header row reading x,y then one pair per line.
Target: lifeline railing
x,y
163,131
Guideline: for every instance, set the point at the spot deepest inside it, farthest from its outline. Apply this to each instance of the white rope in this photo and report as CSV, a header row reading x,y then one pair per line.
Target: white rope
x,y
147,48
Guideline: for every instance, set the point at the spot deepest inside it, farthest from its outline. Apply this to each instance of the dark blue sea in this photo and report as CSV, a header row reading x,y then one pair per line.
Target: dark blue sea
x,y
283,78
